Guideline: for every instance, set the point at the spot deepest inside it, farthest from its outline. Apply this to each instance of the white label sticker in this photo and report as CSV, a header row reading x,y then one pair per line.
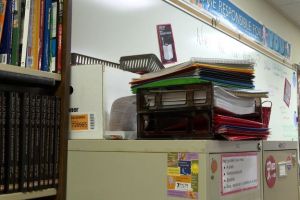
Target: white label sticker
x,y
239,172
182,186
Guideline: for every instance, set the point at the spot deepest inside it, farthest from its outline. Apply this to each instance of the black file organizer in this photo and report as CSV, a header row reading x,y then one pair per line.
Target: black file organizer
x,y
190,117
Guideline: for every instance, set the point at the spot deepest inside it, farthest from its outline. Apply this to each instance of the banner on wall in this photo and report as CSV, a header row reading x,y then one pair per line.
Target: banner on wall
x,y
237,19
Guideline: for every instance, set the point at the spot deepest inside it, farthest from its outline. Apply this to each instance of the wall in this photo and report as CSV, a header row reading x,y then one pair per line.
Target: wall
x,y
266,14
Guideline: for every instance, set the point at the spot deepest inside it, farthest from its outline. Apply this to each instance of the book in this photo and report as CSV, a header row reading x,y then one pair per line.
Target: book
x,y
25,33
36,34
46,41
2,16
41,33
29,46
16,34
56,140
31,150
10,141
2,142
37,146
5,45
59,35
53,38
24,140
43,143
47,142
52,100
4,137
17,143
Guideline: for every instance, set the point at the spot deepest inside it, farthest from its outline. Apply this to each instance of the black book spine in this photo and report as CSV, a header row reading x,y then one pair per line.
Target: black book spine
x,y
43,140
10,136
2,143
31,144
17,144
24,138
57,140
47,141
36,167
51,141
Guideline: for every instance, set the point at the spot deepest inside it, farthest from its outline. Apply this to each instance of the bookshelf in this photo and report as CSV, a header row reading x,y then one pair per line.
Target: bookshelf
x,y
29,195
57,84
12,70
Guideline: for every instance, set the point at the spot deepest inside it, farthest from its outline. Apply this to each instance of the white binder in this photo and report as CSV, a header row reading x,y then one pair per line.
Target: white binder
x,y
101,103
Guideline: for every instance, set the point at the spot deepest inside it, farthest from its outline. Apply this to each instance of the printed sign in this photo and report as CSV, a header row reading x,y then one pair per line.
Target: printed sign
x,y
239,172
166,43
82,122
234,17
183,170
270,171
287,92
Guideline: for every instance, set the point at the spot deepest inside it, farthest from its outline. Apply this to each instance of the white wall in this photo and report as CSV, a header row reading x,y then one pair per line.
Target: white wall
x,y
261,11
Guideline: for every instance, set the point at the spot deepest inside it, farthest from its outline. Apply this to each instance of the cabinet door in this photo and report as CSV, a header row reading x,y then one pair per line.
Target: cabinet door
x,y
235,176
281,182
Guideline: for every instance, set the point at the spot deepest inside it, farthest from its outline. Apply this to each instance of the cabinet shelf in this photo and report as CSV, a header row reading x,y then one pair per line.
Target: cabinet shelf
x,y
17,73
28,195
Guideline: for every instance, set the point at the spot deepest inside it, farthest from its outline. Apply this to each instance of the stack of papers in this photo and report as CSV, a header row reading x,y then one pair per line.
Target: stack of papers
x,y
235,98
233,128
239,74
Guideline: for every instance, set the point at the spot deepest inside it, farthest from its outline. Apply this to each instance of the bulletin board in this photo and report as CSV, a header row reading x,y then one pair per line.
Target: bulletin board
x,y
111,29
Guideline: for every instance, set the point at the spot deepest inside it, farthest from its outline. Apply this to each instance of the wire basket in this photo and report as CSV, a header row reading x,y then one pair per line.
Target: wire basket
x,y
141,64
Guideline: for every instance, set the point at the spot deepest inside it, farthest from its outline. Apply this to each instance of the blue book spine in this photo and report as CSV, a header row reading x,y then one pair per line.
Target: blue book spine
x,y
46,47
5,46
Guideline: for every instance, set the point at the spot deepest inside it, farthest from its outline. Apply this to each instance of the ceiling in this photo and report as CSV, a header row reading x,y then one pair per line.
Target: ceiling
x,y
289,8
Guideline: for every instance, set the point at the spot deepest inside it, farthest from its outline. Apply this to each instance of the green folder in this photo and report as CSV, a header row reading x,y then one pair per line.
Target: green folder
x,y
169,82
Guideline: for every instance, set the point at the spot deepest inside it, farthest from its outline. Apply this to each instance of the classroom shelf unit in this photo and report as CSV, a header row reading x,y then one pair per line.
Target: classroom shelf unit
x,y
18,78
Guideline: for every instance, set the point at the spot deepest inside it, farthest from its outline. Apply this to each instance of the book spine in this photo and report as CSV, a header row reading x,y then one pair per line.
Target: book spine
x,y
53,26
29,48
10,137
51,143
41,33
25,32
36,34
37,143
25,110
4,137
57,140
47,142
46,41
31,144
2,143
17,143
43,140
15,52
5,46
59,35
2,16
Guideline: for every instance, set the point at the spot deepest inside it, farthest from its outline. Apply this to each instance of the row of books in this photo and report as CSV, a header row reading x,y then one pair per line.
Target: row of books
x,y
31,33
29,141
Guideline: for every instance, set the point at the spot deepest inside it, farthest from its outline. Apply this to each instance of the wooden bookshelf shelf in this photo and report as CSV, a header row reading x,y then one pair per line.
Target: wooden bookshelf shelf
x,y
28,195
11,69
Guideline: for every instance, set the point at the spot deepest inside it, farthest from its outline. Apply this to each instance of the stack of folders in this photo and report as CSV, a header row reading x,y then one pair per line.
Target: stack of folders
x,y
237,104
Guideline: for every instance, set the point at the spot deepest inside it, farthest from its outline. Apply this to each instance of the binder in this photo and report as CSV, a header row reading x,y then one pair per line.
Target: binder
x,y
92,99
